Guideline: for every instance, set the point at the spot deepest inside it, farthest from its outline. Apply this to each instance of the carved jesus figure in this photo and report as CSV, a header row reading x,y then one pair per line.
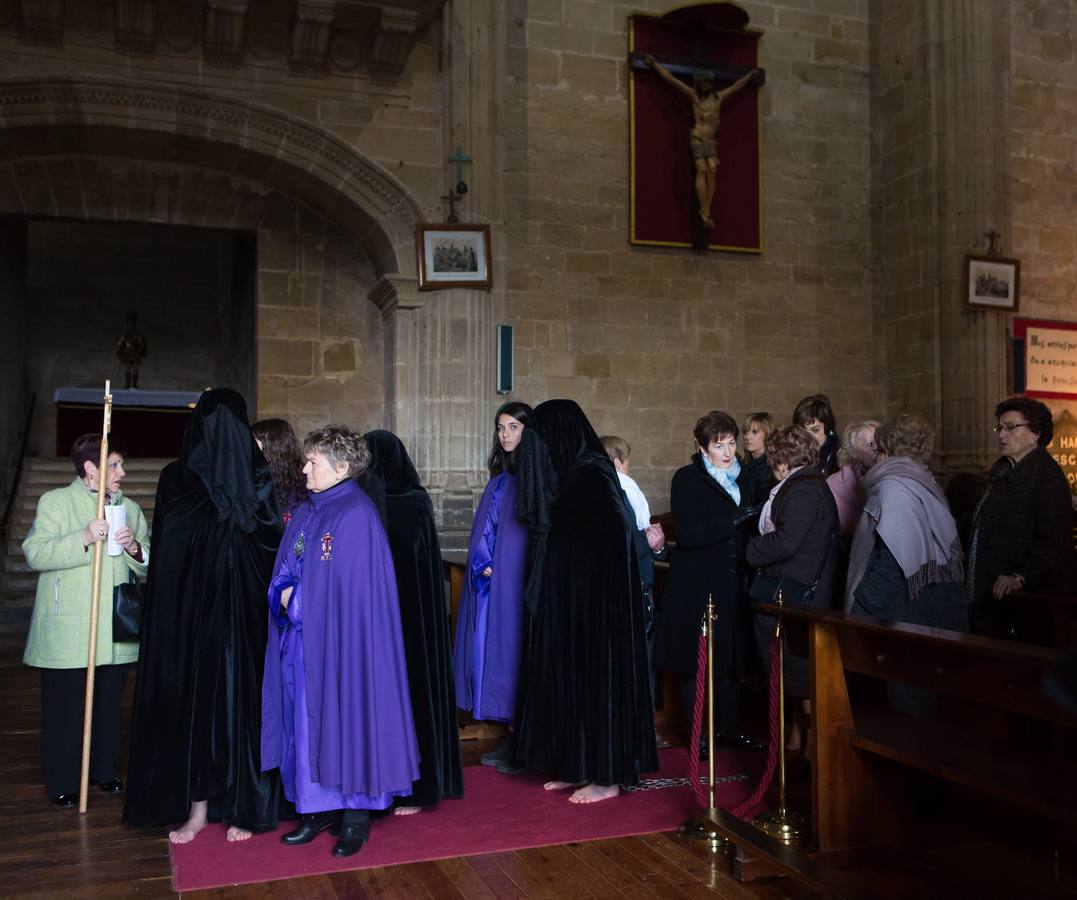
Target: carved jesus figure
x,y
707,111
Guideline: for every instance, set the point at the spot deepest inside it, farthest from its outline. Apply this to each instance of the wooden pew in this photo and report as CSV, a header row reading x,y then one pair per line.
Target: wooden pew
x,y
857,798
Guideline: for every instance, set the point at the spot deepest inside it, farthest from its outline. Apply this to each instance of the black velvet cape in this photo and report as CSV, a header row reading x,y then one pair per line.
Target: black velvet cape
x,y
197,715
585,709
393,485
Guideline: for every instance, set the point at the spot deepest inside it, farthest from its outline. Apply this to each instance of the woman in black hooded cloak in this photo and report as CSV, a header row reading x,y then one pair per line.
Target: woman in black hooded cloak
x,y
197,717
393,484
586,702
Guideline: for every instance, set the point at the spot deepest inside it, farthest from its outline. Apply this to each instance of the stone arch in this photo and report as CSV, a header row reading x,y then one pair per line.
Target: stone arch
x,y
47,117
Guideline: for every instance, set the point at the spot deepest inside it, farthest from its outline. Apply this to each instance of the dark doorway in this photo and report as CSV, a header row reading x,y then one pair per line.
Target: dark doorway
x,y
193,291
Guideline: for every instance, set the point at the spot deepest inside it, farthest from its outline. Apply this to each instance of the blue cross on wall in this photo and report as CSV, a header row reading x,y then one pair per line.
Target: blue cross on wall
x,y
460,158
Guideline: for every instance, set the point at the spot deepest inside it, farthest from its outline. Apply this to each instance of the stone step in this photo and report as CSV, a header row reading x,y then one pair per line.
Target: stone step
x,y
20,582
13,598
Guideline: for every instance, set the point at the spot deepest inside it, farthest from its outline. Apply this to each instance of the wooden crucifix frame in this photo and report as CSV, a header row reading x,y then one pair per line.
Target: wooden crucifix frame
x,y
709,41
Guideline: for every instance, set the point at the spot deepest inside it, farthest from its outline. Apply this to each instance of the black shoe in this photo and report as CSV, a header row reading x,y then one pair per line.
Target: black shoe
x,y
660,742
351,840
309,827
503,753
740,742
111,787
66,801
511,767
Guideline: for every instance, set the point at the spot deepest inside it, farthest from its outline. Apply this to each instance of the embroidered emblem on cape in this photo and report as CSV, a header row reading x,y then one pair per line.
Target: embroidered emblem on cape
x,y
287,518
327,546
300,545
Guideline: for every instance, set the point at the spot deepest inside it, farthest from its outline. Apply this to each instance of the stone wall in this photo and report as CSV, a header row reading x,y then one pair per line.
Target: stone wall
x,y
649,339
318,345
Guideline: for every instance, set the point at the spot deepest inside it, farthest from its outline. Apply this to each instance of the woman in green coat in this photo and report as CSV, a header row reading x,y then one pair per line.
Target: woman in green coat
x,y
60,547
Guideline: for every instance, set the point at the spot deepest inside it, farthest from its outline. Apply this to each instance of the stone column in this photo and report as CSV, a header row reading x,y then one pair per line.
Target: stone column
x,y
969,80
943,68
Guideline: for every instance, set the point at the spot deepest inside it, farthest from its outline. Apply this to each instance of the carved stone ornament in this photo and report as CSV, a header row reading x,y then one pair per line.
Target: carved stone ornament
x,y
225,24
43,21
179,30
91,19
345,51
136,26
267,40
308,53
393,40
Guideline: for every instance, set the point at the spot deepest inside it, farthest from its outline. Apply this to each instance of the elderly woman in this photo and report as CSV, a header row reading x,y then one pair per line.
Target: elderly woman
x,y
906,563
795,547
757,426
216,526
1022,528
857,455
336,709
710,503
816,416
60,547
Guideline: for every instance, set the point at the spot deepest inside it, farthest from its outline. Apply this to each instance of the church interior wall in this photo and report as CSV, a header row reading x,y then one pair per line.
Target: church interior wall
x,y
647,340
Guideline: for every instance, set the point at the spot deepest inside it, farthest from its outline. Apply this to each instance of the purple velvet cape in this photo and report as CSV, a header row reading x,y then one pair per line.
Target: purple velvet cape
x,y
361,733
502,644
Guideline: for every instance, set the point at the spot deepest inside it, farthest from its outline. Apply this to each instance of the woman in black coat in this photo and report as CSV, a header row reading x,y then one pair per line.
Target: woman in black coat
x,y
1022,527
710,503
797,542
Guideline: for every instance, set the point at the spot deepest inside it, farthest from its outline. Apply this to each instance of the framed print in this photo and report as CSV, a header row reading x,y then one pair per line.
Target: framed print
x,y
453,256
992,282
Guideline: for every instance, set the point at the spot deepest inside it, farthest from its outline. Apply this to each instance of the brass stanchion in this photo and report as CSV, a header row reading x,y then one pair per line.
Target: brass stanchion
x,y
782,823
694,828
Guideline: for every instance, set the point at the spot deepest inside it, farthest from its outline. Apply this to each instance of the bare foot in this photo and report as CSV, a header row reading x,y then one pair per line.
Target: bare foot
x,y
593,793
562,785
189,829
235,833
406,810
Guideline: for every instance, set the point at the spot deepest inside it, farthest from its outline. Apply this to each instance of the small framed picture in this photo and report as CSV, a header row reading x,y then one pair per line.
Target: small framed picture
x,y
453,256
993,282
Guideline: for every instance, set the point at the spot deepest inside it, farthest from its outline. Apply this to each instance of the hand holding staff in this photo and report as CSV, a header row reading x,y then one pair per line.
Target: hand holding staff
x,y
95,600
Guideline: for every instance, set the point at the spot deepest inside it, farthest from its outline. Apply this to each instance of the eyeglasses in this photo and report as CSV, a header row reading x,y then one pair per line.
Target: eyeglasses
x,y
1009,426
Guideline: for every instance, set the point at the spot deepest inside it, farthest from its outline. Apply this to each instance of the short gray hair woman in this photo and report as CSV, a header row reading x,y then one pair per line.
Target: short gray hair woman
x,y
906,563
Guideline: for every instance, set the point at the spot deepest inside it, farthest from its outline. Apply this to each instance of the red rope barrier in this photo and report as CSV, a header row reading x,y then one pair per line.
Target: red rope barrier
x,y
697,723
767,777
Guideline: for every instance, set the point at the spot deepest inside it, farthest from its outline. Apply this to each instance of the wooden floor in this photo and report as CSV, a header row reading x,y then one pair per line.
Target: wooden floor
x,y
48,852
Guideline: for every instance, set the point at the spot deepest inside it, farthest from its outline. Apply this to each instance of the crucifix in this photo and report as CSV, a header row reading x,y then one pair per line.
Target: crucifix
x,y
452,197
992,246
460,158
706,109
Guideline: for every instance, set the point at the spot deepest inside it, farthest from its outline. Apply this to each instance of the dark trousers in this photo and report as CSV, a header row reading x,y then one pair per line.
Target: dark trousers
x,y
63,695
727,697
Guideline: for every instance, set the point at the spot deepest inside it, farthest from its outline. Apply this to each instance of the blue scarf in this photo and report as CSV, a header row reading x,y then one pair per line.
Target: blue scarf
x,y
726,478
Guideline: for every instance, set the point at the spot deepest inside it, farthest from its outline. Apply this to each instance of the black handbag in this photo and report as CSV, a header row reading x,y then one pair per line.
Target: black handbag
x,y
127,603
772,588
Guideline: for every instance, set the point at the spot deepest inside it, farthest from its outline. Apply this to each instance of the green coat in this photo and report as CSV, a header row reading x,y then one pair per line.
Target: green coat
x,y
60,628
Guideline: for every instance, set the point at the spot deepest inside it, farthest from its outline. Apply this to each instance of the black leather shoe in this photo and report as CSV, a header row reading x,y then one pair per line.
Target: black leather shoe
x,y
66,801
740,742
503,753
310,826
351,840
111,787
511,767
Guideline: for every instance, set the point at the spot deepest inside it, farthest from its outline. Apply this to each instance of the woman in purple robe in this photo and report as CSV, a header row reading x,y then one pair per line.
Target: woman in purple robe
x,y
490,628
336,708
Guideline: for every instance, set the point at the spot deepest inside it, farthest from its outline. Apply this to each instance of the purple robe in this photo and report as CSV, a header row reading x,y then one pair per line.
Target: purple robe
x,y
489,631
336,708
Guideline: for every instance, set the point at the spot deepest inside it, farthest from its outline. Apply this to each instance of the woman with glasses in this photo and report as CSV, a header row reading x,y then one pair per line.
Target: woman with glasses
x,y
1022,528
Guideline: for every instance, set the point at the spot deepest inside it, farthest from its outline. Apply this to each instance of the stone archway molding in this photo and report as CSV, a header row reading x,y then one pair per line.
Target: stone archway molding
x,y
55,116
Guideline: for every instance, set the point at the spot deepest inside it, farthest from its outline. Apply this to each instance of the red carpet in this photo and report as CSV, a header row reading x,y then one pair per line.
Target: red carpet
x,y
497,813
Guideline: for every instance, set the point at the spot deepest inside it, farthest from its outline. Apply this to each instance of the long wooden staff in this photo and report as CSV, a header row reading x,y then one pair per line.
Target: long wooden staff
x,y
95,600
